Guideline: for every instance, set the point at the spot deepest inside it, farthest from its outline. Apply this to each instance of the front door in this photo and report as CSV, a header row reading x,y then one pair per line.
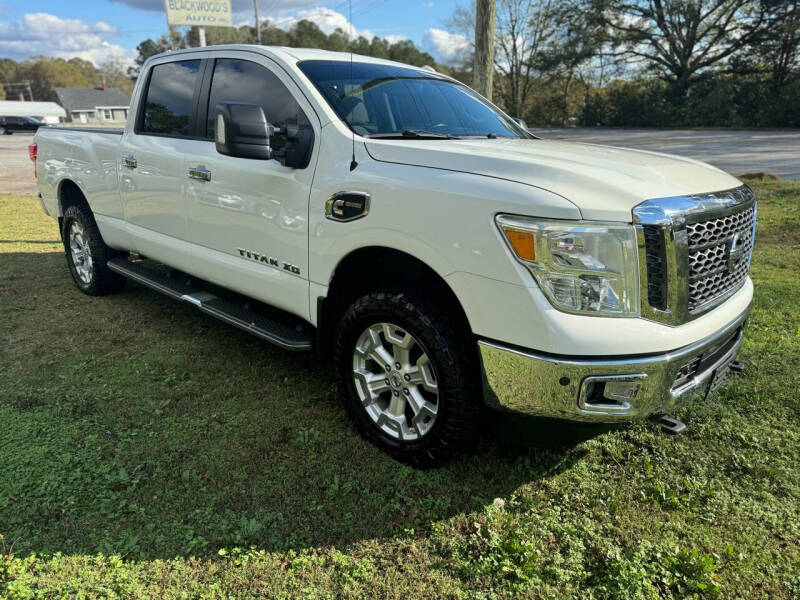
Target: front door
x,y
152,175
249,218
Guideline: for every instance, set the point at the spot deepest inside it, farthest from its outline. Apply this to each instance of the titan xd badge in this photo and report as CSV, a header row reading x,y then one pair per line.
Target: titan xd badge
x,y
268,260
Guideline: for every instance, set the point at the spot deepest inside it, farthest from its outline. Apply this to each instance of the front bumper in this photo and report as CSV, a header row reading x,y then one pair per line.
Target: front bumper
x,y
578,389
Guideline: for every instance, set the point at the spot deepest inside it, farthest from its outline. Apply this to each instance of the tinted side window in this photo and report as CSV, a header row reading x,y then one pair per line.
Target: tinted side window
x,y
244,81
169,101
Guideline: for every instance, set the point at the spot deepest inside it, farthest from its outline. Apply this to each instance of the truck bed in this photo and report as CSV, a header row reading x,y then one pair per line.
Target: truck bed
x,y
88,157
111,130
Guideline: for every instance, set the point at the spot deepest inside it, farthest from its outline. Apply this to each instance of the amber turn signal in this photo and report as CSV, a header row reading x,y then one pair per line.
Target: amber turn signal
x,y
521,242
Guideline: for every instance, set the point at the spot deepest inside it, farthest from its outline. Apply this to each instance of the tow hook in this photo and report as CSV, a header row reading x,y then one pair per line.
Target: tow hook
x,y
737,366
669,425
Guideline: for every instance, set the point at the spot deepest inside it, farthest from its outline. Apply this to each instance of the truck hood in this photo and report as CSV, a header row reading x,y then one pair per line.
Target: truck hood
x,y
604,182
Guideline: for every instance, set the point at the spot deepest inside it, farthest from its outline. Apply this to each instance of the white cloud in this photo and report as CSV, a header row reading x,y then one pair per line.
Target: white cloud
x,y
393,38
445,47
326,19
49,35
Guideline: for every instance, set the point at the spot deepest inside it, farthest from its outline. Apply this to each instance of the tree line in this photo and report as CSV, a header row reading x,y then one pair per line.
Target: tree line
x,y
649,63
38,77
665,63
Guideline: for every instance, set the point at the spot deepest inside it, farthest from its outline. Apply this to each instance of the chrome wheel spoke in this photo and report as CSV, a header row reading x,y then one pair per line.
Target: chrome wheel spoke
x,y
424,412
422,374
397,406
397,337
381,356
388,421
372,385
401,342
416,402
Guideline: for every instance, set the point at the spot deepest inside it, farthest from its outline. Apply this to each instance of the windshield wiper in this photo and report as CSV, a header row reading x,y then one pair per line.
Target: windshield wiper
x,y
417,134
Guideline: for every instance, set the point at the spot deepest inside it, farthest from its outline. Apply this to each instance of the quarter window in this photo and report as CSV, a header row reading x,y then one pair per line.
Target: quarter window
x,y
170,94
244,81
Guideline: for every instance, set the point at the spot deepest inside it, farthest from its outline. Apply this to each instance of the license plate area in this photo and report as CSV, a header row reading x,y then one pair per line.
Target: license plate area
x,y
719,376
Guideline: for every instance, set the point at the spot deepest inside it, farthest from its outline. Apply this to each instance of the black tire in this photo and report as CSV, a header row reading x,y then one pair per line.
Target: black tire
x,y
453,355
102,280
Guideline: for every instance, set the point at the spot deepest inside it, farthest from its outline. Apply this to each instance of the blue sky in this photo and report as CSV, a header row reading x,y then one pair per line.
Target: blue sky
x,y
111,29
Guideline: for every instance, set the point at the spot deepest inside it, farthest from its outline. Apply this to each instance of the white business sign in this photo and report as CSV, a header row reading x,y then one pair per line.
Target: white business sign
x,y
203,13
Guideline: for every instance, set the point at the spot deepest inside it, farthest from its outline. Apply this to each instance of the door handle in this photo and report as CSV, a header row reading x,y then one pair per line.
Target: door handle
x,y
129,161
200,173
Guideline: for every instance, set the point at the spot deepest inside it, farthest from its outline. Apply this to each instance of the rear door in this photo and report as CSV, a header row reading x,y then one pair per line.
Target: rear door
x,y
249,218
152,176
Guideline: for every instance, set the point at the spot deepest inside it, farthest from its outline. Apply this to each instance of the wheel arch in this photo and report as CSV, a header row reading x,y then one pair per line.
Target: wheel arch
x,y
355,275
69,193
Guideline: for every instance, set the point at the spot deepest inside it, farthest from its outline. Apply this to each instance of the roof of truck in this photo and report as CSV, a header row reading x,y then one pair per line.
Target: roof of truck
x,y
291,55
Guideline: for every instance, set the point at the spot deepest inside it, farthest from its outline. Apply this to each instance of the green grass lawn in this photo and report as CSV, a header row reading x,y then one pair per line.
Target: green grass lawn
x,y
147,450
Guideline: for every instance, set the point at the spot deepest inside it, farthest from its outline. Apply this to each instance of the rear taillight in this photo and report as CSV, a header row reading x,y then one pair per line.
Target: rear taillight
x,y
33,152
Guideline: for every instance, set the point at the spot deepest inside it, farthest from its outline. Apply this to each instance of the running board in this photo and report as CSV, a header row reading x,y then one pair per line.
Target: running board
x,y
263,327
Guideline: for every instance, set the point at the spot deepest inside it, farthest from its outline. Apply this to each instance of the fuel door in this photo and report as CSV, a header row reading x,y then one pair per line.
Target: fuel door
x,y
347,206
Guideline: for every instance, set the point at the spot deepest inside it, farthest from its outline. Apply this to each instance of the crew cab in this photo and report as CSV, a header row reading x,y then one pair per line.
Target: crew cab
x,y
394,220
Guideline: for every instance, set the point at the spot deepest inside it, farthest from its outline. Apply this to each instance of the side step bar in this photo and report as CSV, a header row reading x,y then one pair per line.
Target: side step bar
x,y
267,329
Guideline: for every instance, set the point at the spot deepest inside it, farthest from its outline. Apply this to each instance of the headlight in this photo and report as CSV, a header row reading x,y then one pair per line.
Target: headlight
x,y
582,267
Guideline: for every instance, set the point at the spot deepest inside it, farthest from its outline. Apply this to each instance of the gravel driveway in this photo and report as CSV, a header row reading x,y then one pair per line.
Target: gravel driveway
x,y
16,170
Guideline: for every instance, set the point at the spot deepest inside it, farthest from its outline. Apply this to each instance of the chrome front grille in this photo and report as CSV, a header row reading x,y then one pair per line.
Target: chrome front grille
x,y
694,251
711,272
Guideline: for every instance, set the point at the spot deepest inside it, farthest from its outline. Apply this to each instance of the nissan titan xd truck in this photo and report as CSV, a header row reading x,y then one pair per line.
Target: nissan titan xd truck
x,y
388,217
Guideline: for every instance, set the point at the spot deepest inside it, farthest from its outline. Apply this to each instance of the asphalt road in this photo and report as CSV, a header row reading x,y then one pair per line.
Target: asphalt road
x,y
16,170
735,151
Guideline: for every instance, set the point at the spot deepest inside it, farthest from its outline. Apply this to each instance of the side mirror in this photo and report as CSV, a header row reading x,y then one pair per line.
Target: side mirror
x,y
296,154
242,130
522,123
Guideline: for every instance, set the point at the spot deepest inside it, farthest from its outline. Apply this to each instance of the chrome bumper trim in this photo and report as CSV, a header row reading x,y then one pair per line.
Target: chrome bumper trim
x,y
539,384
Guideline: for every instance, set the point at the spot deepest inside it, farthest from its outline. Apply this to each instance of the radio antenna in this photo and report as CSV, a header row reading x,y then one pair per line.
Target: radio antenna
x,y
353,163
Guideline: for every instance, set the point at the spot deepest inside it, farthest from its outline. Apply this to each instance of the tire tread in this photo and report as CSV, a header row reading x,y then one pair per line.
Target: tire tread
x,y
455,430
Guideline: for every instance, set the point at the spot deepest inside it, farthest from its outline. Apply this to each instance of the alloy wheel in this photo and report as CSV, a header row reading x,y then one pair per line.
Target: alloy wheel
x,y
396,381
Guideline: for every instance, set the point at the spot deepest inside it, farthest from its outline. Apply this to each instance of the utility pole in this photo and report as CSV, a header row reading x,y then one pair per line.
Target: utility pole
x,y
258,25
483,62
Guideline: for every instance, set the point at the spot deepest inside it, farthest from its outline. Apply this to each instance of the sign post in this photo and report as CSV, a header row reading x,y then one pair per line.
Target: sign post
x,y
200,13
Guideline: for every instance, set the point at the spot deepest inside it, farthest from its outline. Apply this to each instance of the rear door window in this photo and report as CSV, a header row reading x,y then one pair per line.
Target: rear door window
x,y
170,98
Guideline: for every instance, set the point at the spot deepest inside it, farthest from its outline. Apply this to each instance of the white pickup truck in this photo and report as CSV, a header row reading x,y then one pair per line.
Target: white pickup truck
x,y
390,217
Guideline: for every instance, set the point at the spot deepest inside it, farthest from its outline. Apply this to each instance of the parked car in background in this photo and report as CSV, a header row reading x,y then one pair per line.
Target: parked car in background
x,y
9,125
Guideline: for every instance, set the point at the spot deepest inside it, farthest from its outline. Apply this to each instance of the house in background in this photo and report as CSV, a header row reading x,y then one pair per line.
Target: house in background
x,y
47,112
94,105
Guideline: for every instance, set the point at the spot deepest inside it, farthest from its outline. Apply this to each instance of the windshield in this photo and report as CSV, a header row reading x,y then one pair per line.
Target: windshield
x,y
385,101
